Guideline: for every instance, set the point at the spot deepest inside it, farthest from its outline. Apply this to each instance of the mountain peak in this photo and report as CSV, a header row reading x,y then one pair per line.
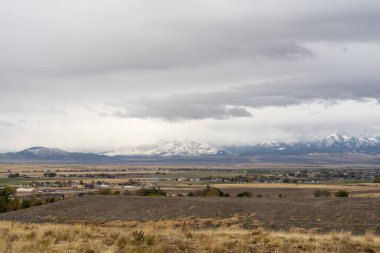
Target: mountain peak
x,y
171,148
336,143
339,137
43,151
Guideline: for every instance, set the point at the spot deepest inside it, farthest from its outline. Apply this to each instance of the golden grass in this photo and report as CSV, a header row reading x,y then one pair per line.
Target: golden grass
x,y
174,236
367,195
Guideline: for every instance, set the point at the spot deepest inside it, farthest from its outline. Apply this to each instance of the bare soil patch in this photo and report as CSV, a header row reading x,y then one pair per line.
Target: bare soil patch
x,y
321,214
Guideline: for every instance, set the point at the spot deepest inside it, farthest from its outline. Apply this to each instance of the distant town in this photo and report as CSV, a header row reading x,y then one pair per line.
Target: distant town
x,y
63,183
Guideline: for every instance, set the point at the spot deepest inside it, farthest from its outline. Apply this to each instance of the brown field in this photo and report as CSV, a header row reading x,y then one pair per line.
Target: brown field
x,y
354,187
298,191
356,215
167,236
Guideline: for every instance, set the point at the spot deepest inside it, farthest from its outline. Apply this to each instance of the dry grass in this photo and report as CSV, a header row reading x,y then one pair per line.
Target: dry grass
x,y
186,235
367,195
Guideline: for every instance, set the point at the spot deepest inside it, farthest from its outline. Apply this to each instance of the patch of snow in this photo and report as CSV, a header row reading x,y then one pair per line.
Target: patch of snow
x,y
167,148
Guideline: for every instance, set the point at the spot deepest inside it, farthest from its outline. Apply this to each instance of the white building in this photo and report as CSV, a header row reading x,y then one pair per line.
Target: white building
x,y
22,192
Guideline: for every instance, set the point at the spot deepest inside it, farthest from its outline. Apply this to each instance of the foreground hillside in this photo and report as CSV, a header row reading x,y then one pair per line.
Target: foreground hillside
x,y
172,236
356,215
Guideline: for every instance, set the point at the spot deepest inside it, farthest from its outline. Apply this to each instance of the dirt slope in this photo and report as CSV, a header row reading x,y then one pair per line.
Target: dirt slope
x,y
323,214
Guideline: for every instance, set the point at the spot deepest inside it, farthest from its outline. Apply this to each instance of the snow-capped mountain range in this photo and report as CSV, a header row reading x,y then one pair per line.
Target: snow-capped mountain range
x,y
173,148
175,151
333,144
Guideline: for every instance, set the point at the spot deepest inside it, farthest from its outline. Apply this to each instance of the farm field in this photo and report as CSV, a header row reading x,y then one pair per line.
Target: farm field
x,y
53,166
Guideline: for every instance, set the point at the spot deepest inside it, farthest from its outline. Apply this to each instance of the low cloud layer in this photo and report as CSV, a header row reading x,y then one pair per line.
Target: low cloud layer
x,y
233,102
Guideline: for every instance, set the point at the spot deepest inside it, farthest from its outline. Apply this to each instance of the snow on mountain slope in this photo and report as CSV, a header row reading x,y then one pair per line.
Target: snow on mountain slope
x,y
44,152
333,144
52,154
167,148
348,141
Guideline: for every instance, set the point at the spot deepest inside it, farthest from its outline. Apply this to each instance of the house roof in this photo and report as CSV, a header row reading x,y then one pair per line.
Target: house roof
x,y
25,190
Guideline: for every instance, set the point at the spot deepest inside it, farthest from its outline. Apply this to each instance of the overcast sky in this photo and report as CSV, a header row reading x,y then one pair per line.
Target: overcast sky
x,y
96,75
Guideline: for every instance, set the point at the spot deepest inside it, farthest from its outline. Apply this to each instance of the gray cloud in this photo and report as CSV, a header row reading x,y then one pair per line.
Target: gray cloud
x,y
66,65
52,38
233,103
172,109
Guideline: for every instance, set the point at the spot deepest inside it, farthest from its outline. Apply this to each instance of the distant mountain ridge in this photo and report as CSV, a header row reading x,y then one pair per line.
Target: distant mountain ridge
x,y
163,151
347,148
333,144
171,148
44,154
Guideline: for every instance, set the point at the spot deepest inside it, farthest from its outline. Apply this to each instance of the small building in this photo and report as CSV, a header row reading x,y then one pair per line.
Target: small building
x,y
25,192
104,186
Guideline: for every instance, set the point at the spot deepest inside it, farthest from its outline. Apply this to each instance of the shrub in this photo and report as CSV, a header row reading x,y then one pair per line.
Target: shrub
x,y
376,179
25,204
138,236
3,204
211,192
103,192
244,194
8,191
50,200
154,191
50,174
12,204
108,191
15,175
322,193
342,194
190,194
